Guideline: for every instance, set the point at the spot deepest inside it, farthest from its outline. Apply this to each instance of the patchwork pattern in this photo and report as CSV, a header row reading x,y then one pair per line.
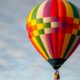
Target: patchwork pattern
x,y
54,28
39,26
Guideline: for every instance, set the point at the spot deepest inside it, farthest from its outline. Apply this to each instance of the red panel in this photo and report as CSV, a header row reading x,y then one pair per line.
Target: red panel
x,y
54,13
61,9
31,34
69,27
55,44
49,42
62,25
70,20
60,40
54,8
76,26
30,29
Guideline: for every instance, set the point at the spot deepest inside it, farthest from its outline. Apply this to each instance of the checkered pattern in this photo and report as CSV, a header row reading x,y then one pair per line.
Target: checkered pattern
x,y
46,26
54,28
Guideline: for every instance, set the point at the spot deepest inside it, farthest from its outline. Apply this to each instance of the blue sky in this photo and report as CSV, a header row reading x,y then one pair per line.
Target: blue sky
x,y
18,58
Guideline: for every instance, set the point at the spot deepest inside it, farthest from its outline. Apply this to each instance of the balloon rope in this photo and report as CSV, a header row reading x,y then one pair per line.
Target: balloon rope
x,y
56,75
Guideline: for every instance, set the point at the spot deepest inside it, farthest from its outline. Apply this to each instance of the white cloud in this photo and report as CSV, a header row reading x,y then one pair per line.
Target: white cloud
x,y
2,62
15,53
18,59
3,45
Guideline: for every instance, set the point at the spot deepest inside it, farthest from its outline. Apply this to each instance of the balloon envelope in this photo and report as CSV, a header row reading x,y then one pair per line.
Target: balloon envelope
x,y
54,29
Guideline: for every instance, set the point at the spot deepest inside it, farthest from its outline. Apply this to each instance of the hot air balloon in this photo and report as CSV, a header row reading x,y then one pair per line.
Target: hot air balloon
x,y
54,29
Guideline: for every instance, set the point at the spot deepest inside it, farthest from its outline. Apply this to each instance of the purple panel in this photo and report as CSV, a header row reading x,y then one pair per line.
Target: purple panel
x,y
54,19
49,42
55,30
63,24
46,12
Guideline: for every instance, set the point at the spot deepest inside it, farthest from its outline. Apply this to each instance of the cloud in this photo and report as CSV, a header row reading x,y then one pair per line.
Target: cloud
x,y
18,59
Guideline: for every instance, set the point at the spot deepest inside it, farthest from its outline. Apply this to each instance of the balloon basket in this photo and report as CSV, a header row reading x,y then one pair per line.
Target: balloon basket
x,y
56,75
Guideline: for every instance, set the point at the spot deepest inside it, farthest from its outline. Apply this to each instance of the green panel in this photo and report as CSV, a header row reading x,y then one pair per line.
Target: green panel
x,y
47,25
75,10
35,12
42,45
41,31
72,39
78,32
40,20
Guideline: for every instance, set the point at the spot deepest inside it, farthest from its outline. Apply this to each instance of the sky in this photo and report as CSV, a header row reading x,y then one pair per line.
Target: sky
x,y
18,58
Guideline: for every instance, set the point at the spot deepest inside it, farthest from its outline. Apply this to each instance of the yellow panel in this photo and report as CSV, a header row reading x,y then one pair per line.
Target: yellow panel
x,y
30,15
33,22
39,47
35,33
74,31
40,26
76,21
65,44
69,10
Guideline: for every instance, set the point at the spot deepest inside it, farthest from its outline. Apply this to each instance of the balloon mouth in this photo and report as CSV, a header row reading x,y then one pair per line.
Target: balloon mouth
x,y
56,63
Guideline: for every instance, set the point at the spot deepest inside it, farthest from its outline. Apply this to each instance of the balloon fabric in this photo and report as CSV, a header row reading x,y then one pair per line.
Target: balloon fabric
x,y
54,29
